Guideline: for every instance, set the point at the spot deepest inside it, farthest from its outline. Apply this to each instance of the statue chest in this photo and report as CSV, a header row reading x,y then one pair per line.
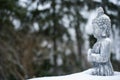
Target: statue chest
x,y
96,48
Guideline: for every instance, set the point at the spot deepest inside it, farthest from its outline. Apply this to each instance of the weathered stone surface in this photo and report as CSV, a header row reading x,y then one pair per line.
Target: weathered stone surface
x,y
99,55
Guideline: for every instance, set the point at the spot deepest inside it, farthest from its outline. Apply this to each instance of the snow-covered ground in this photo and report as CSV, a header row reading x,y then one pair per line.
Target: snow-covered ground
x,y
85,75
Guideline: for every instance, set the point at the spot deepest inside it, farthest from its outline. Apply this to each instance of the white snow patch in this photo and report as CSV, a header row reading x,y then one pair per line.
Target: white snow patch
x,y
59,60
33,5
45,6
97,0
114,1
24,3
85,75
16,23
89,27
68,52
84,12
72,33
112,12
116,42
66,21
44,43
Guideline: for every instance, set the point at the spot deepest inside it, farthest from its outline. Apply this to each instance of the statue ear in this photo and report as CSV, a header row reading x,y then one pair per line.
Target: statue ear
x,y
104,33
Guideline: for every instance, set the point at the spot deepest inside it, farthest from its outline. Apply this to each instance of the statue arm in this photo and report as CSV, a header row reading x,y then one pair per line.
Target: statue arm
x,y
90,55
93,57
104,54
105,50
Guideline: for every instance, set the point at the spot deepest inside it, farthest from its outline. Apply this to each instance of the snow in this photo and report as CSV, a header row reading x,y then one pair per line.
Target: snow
x,y
59,60
36,26
16,23
72,33
116,42
88,27
116,2
43,7
85,75
97,0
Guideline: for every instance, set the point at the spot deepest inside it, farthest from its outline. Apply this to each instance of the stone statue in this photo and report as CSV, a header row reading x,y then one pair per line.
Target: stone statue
x,y
99,55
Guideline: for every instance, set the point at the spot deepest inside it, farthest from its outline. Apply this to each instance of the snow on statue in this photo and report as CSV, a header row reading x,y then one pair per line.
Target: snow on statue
x,y
99,55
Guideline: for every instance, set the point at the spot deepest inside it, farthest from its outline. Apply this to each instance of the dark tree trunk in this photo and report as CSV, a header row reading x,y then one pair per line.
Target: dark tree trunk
x,y
54,38
79,41
82,61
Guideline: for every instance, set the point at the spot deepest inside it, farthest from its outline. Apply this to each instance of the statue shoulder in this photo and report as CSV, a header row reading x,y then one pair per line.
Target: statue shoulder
x,y
107,42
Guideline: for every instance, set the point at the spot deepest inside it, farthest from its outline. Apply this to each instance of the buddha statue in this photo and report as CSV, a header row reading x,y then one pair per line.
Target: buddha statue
x,y
99,54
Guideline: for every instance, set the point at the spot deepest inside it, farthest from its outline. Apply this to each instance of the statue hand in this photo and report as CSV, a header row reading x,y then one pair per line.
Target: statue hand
x,y
89,57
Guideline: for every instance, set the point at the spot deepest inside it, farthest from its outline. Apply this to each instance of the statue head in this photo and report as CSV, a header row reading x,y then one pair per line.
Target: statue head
x,y
100,11
101,24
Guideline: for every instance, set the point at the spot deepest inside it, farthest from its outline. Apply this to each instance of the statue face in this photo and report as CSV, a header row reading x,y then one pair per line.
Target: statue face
x,y
97,31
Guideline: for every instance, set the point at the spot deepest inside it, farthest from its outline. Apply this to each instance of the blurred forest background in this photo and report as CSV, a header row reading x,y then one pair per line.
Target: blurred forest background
x,y
51,37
